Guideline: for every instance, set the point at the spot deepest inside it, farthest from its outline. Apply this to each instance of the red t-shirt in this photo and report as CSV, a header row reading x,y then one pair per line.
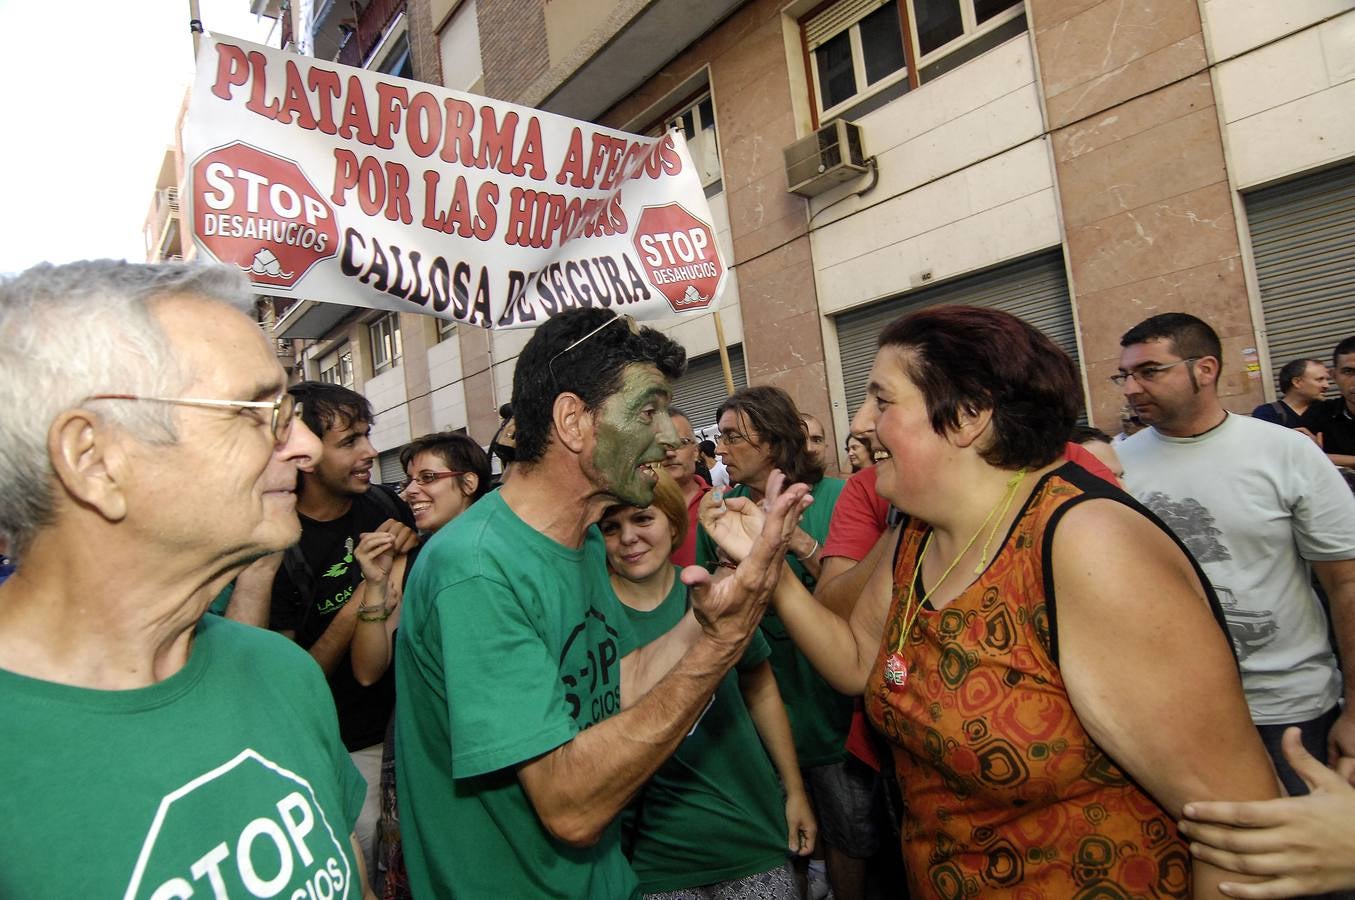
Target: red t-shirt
x,y
858,518
685,555
1084,458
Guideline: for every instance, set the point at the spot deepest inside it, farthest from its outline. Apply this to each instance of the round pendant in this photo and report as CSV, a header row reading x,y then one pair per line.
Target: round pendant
x,y
896,672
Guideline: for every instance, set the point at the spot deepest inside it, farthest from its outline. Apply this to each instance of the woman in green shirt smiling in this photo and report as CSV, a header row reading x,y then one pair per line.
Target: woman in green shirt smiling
x,y
712,820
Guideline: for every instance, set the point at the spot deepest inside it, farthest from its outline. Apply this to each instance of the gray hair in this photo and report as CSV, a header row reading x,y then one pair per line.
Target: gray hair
x,y
70,331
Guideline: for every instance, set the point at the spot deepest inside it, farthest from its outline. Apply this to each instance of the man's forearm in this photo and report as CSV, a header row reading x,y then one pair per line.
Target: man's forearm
x,y
252,598
333,643
644,668
843,587
1342,459
580,787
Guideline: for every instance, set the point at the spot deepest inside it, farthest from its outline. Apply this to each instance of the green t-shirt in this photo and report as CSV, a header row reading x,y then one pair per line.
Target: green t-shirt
x,y
510,644
714,811
819,716
226,779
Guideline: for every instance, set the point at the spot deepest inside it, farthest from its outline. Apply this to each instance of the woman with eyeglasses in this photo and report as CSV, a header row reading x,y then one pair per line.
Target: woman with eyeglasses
x,y
1045,660
712,822
446,472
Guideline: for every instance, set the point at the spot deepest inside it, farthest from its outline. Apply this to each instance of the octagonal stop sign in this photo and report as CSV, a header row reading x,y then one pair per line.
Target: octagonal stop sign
x,y
259,211
678,253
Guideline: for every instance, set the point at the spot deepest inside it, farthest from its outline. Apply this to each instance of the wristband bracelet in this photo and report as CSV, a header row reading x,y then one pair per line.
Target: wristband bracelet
x,y
373,614
810,555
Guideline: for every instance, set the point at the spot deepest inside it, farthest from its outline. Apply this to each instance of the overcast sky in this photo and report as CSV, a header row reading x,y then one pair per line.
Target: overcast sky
x,y
90,91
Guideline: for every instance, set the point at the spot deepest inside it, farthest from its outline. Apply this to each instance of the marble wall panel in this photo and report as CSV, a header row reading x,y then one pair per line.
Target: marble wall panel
x,y
1176,233
1176,157
1133,117
1109,36
1157,69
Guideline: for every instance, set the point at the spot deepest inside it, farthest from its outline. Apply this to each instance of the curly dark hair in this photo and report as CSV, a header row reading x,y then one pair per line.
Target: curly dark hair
x,y
775,418
573,352
325,406
458,451
966,359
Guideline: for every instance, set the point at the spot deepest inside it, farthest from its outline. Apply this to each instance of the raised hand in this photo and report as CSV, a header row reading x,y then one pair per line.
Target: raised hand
x,y
1306,845
734,523
375,553
729,610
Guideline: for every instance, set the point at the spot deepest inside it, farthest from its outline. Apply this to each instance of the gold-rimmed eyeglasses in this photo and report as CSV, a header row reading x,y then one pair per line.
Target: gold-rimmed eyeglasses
x,y
285,409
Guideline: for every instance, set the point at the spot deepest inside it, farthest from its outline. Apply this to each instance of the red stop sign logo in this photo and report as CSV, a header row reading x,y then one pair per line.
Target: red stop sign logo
x,y
260,212
678,252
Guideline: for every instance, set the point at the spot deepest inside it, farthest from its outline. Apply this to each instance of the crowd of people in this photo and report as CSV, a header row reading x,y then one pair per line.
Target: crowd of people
x,y
1005,655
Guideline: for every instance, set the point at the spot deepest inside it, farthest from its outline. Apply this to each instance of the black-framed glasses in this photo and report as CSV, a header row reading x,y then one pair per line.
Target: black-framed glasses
x,y
285,409
631,324
425,478
732,438
1148,374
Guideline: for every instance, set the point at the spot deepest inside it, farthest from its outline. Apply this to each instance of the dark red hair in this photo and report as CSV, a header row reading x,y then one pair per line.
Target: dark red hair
x,y
967,359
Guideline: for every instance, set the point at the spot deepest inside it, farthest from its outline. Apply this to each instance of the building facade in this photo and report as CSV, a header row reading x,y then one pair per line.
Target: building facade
x,y
1082,163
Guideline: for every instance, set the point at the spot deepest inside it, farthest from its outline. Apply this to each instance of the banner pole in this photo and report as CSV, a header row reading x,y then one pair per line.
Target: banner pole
x,y
195,25
724,352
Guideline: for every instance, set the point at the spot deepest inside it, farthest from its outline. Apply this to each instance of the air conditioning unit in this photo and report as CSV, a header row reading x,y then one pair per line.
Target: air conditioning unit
x,y
825,159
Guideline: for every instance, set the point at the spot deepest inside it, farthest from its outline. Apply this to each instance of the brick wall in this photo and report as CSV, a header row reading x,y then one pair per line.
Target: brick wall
x,y
513,45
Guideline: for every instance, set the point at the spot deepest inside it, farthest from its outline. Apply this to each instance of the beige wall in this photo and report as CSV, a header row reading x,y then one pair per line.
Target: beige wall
x,y
1146,206
749,74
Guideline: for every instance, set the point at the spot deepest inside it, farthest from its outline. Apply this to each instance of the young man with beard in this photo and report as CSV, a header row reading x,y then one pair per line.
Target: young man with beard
x,y
1257,506
527,720
338,504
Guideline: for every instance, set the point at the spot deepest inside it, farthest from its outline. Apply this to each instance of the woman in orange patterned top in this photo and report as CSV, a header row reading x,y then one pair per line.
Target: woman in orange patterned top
x,y
1046,661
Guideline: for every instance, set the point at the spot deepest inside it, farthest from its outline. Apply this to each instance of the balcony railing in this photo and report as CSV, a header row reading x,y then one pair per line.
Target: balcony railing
x,y
371,26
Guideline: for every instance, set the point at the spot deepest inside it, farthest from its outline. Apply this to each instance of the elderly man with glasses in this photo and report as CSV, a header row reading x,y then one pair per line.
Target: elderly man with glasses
x,y
149,455
1257,506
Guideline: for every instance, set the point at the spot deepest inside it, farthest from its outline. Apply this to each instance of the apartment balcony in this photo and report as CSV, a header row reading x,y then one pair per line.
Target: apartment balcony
x,y
359,41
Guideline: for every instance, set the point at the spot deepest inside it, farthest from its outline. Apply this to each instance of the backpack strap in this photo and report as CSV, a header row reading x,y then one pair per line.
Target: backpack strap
x,y
303,579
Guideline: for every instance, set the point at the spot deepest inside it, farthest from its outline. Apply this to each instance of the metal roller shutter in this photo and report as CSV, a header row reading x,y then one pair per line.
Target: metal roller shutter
x,y
1303,241
1035,289
701,390
389,467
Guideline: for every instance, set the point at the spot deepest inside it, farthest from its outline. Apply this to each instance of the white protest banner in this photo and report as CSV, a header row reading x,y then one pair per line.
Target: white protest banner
x,y
331,183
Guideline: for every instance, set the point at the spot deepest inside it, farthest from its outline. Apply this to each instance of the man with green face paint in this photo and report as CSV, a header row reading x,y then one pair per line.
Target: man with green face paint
x,y
527,717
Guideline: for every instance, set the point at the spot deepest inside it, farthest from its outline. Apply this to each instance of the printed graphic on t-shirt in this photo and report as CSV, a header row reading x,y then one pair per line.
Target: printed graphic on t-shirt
x,y
1193,523
249,828
324,604
591,670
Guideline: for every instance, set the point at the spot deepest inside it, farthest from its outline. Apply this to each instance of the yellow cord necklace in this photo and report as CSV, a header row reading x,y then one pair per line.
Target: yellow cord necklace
x,y
896,668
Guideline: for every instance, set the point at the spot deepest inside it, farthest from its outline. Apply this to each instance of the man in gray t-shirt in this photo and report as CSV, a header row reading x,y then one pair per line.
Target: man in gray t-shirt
x,y
1257,504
